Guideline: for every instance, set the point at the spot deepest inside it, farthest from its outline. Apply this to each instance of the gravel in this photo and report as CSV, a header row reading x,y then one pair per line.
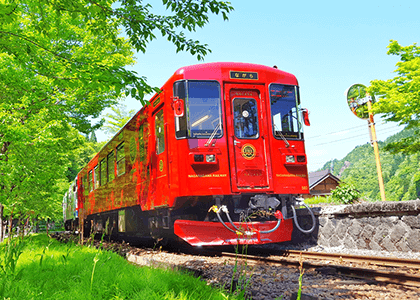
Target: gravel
x,y
263,281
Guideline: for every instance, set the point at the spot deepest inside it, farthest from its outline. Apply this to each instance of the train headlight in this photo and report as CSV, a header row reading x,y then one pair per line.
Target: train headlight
x,y
290,158
210,158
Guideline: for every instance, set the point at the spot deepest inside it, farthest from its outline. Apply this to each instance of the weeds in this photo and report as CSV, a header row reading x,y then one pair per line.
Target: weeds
x,y
118,279
301,272
95,260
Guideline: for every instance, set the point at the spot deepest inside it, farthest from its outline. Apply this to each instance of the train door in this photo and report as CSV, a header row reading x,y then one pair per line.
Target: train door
x,y
159,181
247,131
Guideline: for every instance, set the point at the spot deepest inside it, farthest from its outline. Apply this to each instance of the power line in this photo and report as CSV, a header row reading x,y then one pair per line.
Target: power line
x,y
353,137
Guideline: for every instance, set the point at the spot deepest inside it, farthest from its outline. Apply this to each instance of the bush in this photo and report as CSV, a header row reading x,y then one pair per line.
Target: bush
x,y
345,194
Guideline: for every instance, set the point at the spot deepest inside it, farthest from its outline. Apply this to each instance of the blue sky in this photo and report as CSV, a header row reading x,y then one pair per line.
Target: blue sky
x,y
327,45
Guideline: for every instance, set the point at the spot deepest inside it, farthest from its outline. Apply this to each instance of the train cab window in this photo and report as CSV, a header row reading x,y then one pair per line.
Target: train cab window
x,y
202,107
245,118
111,166
120,159
96,177
159,132
103,171
284,112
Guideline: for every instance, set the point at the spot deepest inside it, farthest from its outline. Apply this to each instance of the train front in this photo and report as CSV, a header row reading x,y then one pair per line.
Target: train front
x,y
242,162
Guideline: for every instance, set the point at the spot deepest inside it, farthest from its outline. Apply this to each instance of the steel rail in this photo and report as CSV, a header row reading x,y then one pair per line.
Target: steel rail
x,y
374,260
355,272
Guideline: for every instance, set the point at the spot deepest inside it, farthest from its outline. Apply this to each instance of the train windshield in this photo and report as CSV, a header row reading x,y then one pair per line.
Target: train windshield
x,y
203,113
284,111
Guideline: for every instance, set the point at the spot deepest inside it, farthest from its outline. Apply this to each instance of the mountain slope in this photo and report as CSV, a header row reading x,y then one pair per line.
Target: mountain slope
x,y
400,172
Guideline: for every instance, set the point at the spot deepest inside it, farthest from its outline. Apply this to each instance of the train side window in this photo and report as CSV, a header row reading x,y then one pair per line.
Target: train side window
x,y
96,177
120,159
111,166
90,179
103,172
85,186
159,132
142,136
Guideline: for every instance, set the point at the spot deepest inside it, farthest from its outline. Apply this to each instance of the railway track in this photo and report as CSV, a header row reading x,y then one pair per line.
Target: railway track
x,y
317,260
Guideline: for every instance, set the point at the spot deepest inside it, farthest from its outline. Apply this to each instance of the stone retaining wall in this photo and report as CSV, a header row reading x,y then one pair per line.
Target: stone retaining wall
x,y
380,226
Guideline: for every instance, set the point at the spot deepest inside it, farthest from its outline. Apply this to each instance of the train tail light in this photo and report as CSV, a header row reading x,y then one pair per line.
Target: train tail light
x,y
198,157
301,158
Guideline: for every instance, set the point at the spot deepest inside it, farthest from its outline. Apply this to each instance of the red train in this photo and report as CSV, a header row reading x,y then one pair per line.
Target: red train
x,y
217,158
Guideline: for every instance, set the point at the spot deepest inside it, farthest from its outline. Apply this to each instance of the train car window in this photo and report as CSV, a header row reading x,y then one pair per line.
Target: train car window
x,y
103,172
284,111
96,177
85,186
245,118
143,141
111,166
90,180
120,159
159,132
204,109
181,122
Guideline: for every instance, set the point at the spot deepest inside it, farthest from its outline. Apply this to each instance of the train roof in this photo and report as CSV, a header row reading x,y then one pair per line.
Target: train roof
x,y
221,70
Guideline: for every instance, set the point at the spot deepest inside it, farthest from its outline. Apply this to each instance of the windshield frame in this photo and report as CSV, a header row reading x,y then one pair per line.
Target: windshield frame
x,y
289,135
187,121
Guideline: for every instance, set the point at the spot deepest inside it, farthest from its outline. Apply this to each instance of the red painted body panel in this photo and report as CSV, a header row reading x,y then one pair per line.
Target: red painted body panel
x,y
214,234
156,177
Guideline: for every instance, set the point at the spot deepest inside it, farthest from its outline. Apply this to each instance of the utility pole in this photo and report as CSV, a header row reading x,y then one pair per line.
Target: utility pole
x,y
360,104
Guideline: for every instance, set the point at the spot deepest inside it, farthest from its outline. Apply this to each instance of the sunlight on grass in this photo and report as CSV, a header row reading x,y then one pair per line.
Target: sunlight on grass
x,y
47,269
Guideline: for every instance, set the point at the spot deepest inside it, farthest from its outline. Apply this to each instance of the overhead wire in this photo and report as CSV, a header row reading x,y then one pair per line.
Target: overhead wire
x,y
394,129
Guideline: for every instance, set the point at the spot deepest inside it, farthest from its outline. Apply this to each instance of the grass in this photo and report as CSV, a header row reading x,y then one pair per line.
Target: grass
x,y
47,269
319,200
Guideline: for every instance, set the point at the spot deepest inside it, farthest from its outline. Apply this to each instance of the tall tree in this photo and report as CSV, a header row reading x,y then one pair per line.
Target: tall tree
x,y
400,96
61,63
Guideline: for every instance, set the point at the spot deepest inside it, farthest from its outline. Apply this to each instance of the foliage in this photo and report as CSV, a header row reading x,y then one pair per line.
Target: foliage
x,y
400,96
318,200
75,272
345,194
400,172
116,120
61,64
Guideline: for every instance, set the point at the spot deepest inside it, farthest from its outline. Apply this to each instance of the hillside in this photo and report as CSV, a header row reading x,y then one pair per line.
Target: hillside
x,y
400,172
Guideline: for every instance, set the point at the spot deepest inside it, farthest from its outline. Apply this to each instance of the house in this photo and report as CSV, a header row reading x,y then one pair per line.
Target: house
x,y
321,183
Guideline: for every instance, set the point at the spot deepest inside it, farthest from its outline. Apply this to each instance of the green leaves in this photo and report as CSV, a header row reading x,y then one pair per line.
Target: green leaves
x,y
400,97
62,63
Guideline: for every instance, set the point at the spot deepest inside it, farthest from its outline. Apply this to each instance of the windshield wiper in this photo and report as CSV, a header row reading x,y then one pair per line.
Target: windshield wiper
x,y
281,135
213,134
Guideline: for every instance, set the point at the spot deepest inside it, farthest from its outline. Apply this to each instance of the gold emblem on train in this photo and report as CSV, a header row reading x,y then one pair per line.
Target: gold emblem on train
x,y
248,151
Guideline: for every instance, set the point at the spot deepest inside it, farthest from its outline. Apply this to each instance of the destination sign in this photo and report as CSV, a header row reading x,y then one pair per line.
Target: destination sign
x,y
243,75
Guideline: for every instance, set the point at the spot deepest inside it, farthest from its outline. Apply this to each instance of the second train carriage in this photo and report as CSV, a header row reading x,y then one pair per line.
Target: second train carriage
x,y
217,158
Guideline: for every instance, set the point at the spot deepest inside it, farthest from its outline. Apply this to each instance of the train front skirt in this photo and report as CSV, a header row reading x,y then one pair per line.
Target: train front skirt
x,y
198,233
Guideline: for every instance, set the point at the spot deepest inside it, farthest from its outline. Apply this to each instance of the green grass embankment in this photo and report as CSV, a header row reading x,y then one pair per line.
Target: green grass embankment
x,y
47,269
